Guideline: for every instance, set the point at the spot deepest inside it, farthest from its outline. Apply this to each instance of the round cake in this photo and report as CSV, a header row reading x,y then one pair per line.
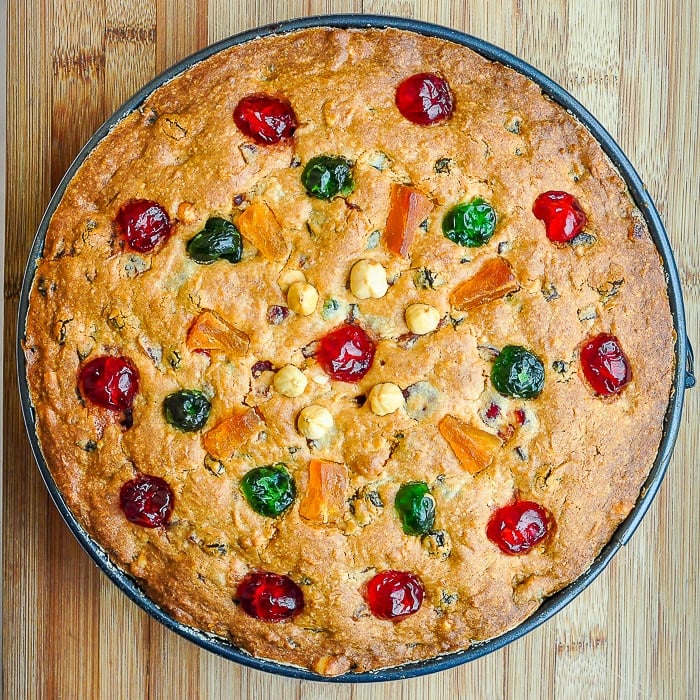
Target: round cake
x,y
350,346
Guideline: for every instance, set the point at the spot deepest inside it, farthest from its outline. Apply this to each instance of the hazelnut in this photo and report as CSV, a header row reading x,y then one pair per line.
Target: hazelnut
x,y
288,278
422,318
290,381
314,422
368,280
385,398
302,298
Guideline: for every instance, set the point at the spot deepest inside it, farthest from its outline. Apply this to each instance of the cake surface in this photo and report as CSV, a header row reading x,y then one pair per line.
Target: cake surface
x,y
230,329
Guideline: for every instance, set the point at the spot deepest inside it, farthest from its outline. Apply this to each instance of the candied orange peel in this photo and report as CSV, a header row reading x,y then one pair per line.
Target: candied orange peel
x,y
325,493
474,448
408,209
210,332
232,432
259,225
494,280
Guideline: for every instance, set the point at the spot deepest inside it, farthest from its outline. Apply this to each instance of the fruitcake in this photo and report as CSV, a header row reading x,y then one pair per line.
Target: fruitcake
x,y
350,346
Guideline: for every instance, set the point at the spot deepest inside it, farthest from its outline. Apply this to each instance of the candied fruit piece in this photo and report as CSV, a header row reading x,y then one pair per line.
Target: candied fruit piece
x,y
143,224
326,177
259,225
335,665
110,382
409,208
346,353
219,239
604,364
424,98
493,411
470,224
474,448
325,493
415,506
210,332
230,433
516,528
187,409
147,501
270,597
269,490
264,118
562,215
393,595
518,372
494,280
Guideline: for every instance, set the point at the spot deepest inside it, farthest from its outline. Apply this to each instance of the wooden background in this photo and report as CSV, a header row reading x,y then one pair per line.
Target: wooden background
x,y
68,633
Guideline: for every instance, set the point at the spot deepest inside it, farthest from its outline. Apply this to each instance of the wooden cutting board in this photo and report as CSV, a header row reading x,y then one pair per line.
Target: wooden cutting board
x,y
68,633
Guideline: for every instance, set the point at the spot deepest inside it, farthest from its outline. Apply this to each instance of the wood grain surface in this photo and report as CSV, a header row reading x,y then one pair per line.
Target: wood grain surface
x,y
68,633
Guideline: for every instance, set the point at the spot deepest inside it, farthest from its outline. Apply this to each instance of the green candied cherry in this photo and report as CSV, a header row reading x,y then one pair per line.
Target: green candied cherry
x,y
470,224
269,490
325,177
518,372
187,410
415,506
218,239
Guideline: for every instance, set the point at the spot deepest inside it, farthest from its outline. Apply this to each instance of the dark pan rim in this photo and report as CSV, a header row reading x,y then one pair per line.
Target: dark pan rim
x,y
683,375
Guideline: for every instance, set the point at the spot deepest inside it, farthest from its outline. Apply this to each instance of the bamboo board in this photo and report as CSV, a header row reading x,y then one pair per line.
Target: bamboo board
x,y
68,633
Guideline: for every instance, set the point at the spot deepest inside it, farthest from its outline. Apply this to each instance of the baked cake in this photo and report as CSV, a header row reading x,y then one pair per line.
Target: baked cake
x,y
350,346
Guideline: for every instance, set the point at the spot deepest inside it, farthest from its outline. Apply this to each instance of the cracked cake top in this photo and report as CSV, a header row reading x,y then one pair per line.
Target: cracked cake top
x,y
350,346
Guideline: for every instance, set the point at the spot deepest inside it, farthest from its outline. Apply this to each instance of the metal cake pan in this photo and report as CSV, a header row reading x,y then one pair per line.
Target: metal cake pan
x,y
683,377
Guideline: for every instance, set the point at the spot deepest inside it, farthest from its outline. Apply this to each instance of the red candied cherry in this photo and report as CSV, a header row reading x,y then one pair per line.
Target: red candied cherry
x,y
264,118
147,501
143,224
346,353
519,526
110,382
394,595
424,99
605,365
270,597
562,215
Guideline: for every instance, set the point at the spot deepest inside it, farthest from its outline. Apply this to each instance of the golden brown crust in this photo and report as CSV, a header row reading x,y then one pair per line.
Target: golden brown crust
x,y
582,458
